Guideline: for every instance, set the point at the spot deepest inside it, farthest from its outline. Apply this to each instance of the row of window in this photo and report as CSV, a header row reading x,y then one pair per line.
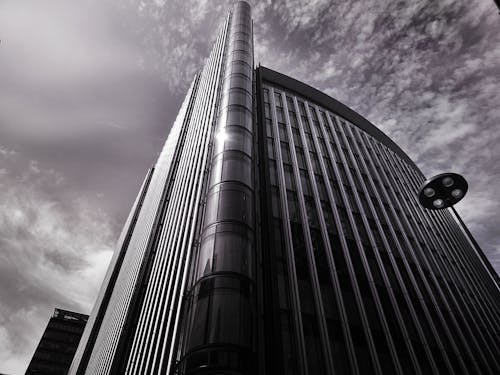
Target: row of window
x,y
402,267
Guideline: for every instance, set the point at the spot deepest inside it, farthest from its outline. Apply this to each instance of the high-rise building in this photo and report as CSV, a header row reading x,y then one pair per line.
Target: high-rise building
x,y
58,344
280,233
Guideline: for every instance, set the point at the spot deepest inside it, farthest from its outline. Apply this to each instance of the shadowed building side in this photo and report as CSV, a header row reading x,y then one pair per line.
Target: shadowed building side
x,y
58,344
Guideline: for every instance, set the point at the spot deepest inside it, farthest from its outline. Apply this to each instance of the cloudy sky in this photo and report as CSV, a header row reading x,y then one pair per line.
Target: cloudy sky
x,y
89,89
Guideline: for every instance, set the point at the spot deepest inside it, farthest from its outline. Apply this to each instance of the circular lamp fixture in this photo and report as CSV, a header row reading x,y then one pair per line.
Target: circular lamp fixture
x,y
442,191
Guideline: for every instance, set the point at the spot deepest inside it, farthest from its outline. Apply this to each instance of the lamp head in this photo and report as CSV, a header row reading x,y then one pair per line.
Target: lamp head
x,y
442,191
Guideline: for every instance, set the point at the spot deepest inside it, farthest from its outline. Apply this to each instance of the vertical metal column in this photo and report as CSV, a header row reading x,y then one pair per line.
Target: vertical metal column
x,y
221,313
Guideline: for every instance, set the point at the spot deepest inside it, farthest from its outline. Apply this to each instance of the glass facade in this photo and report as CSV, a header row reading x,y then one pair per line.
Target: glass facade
x,y
367,280
280,233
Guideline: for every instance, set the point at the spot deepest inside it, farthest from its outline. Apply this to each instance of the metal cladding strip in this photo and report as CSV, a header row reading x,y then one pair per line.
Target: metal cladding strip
x,y
318,302
92,327
167,263
459,277
188,264
324,235
453,252
231,180
383,274
132,318
329,254
428,239
461,252
385,214
174,268
105,345
287,233
410,229
175,208
342,236
210,105
458,252
486,301
373,290
480,279
333,105
492,304
406,295
357,292
426,286
144,315
140,334
164,160
391,229
491,275
359,245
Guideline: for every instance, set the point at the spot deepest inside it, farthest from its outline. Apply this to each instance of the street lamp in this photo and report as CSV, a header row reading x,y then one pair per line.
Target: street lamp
x,y
444,191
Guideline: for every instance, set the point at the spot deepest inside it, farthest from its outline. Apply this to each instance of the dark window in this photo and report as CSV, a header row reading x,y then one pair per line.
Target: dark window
x,y
304,179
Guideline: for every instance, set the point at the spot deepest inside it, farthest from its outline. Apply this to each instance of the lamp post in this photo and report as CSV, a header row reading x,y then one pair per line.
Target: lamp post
x,y
444,191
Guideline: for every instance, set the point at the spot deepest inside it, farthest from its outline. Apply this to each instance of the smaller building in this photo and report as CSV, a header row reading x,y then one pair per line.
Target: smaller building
x,y
58,345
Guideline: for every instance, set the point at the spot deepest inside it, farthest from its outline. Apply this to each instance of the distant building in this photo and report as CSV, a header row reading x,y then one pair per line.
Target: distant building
x,y
280,233
57,347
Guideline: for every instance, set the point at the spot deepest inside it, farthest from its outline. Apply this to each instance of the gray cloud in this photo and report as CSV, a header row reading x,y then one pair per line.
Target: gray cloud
x,y
90,89
53,252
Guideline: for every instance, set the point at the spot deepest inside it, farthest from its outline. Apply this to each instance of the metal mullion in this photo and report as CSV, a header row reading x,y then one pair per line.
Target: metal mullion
x,y
338,224
425,282
294,290
479,283
121,306
481,307
320,313
463,252
352,223
138,335
165,265
175,254
109,347
222,55
444,270
168,216
405,293
183,164
443,296
159,298
487,278
329,254
491,305
110,334
111,273
427,287
438,288
202,160
343,243
221,71
380,264
459,252
452,254
196,207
